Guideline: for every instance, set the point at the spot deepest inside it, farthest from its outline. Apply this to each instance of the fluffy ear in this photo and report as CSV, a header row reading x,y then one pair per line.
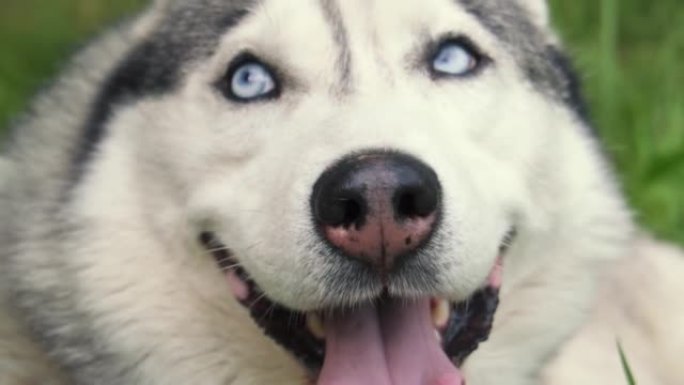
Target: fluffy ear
x,y
150,16
161,4
539,10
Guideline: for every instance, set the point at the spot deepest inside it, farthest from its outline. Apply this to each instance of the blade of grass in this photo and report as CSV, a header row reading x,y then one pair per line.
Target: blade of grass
x,y
625,365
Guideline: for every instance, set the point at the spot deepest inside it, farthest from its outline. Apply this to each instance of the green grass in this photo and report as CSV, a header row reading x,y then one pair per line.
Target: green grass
x,y
37,35
630,52
626,368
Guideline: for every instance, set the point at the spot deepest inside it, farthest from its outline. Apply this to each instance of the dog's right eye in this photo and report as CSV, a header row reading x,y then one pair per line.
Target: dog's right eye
x,y
456,58
250,80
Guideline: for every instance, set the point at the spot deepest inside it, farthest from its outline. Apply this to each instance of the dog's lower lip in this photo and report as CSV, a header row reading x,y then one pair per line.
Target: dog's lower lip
x,y
459,326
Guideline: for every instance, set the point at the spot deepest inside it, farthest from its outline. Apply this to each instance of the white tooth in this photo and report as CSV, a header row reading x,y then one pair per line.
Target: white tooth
x,y
438,335
440,313
315,325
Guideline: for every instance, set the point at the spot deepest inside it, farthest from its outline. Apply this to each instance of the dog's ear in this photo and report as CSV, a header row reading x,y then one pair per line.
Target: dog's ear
x,y
161,4
151,16
538,10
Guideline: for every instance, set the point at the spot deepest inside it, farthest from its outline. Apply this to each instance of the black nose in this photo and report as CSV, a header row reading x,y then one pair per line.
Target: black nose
x,y
377,206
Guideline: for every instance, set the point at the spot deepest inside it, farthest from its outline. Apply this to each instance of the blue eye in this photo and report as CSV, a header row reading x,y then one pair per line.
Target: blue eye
x,y
455,58
250,81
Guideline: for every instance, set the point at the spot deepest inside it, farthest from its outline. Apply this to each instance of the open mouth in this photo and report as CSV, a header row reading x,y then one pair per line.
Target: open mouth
x,y
390,341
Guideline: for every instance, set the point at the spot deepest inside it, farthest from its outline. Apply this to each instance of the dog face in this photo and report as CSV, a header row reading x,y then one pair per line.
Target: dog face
x,y
326,154
292,90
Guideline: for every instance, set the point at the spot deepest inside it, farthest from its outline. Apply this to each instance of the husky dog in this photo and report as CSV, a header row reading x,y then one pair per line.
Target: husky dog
x,y
258,192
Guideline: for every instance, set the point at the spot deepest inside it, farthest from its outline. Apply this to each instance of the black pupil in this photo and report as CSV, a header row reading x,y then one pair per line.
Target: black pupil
x,y
246,76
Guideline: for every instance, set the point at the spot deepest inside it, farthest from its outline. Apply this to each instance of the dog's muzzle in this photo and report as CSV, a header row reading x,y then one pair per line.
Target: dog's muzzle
x,y
379,210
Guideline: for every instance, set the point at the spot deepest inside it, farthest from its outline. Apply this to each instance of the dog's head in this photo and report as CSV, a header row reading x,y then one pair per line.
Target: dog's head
x,y
339,150
367,162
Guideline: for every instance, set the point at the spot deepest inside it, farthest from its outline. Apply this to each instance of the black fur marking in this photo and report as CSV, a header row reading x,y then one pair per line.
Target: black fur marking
x,y
545,66
136,77
333,17
573,95
155,66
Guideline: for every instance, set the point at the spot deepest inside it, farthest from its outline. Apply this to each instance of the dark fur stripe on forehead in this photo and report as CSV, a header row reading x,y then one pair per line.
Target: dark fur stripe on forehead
x,y
190,30
544,65
333,16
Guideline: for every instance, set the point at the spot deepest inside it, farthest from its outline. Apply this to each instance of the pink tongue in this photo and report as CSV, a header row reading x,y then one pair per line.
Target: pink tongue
x,y
394,344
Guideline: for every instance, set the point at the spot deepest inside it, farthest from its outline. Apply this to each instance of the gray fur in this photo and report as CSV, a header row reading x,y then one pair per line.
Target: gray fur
x,y
331,11
40,181
189,31
543,64
34,188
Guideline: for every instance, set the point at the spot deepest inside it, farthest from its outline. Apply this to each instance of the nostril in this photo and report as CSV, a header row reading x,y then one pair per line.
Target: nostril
x,y
340,211
414,202
353,212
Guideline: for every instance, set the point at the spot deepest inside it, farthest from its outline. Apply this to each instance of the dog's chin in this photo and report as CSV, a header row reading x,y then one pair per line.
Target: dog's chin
x,y
376,340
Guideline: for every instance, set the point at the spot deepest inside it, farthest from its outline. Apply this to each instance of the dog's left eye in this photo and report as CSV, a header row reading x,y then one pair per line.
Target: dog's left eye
x,y
456,58
250,80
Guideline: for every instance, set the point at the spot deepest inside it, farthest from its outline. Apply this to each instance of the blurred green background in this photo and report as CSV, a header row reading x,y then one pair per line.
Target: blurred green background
x,y
630,54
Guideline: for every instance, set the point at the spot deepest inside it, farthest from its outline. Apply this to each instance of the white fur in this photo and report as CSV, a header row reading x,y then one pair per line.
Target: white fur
x,y
640,306
174,165
539,9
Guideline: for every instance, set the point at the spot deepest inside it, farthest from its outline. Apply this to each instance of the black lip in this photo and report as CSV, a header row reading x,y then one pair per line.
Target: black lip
x,y
469,325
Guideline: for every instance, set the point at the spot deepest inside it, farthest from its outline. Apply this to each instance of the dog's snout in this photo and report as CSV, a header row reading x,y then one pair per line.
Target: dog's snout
x,y
377,206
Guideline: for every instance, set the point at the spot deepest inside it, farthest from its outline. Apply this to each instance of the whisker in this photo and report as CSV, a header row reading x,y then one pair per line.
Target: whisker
x,y
253,246
256,300
230,266
218,249
267,313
